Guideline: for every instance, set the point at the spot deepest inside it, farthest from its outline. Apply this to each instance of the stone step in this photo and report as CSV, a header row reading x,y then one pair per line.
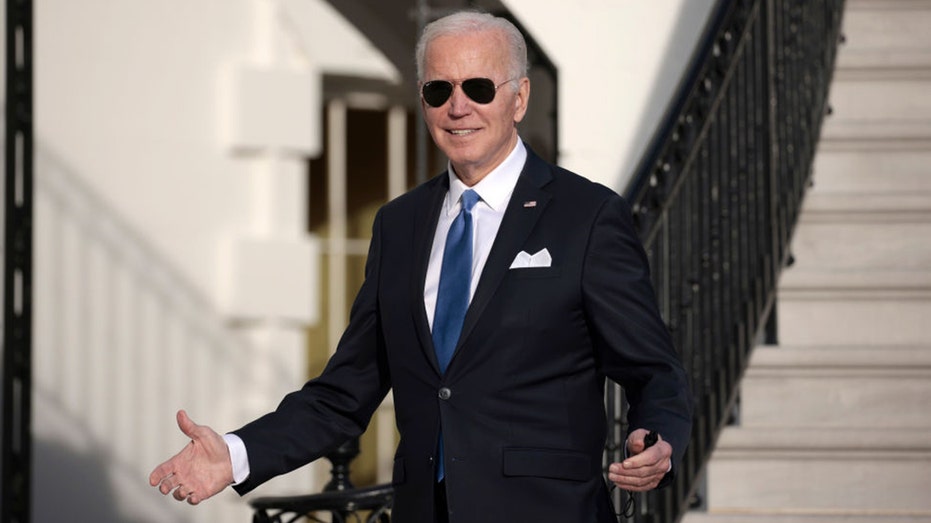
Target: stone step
x,y
870,470
863,242
838,387
871,169
881,34
883,71
810,282
883,106
888,207
853,316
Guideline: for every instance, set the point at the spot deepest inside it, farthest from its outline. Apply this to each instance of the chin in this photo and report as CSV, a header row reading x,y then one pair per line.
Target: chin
x,y
460,156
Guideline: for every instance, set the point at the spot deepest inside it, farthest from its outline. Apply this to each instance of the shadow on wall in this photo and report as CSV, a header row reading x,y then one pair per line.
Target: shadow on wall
x,y
74,485
70,485
675,59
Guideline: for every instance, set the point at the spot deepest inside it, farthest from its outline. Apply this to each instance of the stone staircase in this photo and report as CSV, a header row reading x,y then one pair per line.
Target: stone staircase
x,y
835,422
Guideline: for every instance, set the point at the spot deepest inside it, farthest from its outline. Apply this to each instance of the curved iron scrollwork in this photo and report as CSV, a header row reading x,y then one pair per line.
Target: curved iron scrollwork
x,y
369,505
340,499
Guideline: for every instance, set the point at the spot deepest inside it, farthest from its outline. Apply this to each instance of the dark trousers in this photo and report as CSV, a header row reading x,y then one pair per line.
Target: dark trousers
x,y
439,501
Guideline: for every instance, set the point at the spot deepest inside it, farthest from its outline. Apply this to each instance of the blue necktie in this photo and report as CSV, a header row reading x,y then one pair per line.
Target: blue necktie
x,y
452,297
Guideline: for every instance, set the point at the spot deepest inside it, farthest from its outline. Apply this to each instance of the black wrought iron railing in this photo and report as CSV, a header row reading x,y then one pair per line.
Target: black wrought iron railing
x,y
716,197
340,501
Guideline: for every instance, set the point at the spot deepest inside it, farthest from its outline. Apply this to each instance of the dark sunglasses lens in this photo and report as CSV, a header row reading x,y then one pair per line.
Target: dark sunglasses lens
x,y
480,90
436,93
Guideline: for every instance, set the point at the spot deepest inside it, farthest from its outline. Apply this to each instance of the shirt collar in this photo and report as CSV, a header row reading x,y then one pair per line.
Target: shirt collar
x,y
495,188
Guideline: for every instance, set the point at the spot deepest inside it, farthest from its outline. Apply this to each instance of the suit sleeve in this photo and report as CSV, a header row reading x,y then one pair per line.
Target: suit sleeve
x,y
632,343
334,407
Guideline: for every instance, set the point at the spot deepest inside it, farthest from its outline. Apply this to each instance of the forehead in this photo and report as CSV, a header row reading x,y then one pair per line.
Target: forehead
x,y
468,55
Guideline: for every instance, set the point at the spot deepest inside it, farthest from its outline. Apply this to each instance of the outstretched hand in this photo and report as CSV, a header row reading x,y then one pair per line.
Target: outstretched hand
x,y
200,470
645,467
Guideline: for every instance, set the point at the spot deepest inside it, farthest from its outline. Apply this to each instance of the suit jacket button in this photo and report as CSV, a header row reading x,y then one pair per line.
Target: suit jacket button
x,y
445,393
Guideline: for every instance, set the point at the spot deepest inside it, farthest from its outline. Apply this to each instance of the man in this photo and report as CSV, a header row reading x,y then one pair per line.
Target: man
x,y
498,370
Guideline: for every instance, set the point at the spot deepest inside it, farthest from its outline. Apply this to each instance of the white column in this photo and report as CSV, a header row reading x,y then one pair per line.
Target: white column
x,y
269,270
336,200
397,151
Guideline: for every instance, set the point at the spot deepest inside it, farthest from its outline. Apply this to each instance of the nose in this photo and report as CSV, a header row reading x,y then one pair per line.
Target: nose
x,y
459,103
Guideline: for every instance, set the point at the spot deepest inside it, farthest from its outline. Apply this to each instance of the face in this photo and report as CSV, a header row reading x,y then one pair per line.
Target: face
x,y
475,137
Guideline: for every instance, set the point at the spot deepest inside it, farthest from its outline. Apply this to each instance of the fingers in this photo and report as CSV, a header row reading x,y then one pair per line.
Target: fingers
x,y
636,441
166,476
657,458
632,483
183,493
200,470
166,469
635,477
158,474
168,484
172,485
179,491
645,468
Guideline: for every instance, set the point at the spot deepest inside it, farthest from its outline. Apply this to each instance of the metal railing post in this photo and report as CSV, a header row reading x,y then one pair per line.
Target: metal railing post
x,y
17,274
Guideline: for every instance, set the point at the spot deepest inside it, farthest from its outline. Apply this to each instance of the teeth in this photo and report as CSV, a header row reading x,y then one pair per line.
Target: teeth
x,y
461,132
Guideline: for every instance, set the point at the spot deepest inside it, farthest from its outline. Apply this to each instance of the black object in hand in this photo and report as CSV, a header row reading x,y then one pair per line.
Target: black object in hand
x,y
629,508
650,440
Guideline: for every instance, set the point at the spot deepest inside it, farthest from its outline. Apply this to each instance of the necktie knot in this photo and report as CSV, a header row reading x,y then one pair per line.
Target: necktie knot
x,y
469,199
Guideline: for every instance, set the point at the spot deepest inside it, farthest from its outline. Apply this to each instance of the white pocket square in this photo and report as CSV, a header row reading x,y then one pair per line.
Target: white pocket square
x,y
523,260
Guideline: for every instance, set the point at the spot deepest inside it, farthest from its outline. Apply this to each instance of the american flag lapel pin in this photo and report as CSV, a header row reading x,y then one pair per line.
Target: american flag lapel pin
x,y
531,203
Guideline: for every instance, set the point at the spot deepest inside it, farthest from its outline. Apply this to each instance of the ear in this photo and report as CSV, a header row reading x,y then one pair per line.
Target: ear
x,y
521,100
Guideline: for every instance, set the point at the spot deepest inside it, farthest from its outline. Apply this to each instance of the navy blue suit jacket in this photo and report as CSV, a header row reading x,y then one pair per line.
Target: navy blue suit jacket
x,y
521,404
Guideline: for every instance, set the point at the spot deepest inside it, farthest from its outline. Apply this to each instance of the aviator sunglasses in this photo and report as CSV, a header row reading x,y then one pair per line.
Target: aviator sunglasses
x,y
479,90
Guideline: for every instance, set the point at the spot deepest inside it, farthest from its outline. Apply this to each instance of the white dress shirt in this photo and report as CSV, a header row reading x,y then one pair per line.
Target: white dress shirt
x,y
494,191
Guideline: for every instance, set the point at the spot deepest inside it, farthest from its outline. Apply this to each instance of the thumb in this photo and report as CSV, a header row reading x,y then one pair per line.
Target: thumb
x,y
635,442
186,424
635,447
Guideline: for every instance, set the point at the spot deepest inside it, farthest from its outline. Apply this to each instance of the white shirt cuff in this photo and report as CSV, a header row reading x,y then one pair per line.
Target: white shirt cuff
x,y
238,458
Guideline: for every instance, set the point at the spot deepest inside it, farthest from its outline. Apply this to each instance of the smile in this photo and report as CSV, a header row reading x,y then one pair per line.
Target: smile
x,y
461,132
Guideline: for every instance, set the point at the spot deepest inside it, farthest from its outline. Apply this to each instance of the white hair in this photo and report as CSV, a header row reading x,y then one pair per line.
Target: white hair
x,y
465,22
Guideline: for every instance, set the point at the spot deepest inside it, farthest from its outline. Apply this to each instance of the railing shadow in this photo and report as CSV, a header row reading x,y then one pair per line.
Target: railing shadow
x,y
113,320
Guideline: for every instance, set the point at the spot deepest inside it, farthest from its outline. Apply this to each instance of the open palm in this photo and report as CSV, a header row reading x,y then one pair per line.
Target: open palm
x,y
200,470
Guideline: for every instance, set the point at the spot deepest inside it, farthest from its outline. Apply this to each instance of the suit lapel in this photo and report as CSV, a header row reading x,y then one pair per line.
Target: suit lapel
x,y
424,230
519,220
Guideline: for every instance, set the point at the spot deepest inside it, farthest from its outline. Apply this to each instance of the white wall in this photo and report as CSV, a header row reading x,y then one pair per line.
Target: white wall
x,y
158,223
619,62
128,96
